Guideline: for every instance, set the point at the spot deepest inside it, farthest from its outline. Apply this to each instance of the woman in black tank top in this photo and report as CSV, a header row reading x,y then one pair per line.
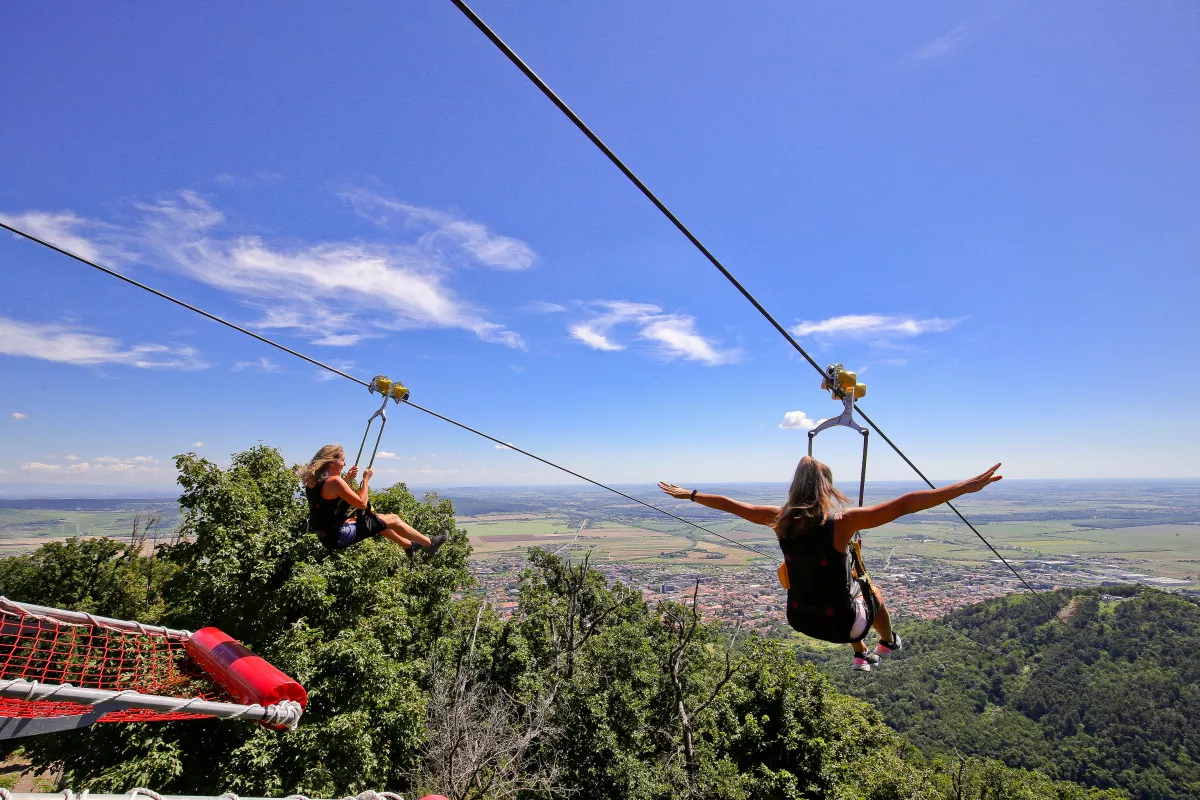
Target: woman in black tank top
x,y
341,516
814,529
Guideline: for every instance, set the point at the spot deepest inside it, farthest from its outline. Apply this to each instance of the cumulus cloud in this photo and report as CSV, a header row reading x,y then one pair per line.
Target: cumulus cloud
x,y
441,231
19,415
197,444
873,327
385,454
310,286
145,459
502,447
674,335
72,345
798,419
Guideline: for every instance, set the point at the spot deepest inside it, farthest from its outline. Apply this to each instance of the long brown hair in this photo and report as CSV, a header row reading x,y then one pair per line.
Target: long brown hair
x,y
812,499
312,472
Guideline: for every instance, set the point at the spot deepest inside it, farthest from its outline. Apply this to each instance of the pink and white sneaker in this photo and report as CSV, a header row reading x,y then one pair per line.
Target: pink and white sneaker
x,y
864,661
887,648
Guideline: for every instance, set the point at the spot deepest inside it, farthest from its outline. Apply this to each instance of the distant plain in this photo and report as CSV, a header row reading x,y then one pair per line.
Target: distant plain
x,y
1149,528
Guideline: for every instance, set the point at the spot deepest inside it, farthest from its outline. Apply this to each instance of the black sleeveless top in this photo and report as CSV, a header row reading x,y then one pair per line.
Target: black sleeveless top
x,y
325,516
820,601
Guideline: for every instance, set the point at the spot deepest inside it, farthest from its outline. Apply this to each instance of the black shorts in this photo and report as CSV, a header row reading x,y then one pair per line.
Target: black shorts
x,y
366,525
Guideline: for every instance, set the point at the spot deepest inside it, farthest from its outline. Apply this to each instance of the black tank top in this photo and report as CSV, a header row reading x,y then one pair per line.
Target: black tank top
x,y
325,516
820,602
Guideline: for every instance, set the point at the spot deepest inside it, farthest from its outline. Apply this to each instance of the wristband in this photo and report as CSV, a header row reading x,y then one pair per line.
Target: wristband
x,y
693,496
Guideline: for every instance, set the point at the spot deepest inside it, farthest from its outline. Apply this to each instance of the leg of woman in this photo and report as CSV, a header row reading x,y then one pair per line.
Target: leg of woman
x,y
392,536
883,620
402,530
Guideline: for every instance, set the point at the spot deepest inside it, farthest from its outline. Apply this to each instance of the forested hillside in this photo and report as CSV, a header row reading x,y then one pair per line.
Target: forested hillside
x,y
416,685
1106,694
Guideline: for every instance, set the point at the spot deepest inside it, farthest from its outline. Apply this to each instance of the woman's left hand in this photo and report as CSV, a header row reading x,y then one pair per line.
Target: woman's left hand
x,y
675,491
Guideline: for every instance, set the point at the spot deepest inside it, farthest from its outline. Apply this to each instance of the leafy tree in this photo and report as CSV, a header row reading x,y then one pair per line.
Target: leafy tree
x,y
1108,699
355,628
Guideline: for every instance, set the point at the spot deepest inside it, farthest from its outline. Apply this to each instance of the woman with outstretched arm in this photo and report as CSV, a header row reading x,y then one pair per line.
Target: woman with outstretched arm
x,y
341,524
814,529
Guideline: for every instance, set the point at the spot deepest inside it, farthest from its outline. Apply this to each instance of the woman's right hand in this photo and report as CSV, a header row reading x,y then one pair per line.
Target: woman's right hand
x,y
982,479
675,491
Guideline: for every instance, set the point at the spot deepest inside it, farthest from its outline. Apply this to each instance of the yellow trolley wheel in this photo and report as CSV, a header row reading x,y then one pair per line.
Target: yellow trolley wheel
x,y
400,392
381,384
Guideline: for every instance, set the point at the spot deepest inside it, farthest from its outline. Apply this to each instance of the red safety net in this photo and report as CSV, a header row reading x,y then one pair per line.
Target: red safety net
x,y
50,651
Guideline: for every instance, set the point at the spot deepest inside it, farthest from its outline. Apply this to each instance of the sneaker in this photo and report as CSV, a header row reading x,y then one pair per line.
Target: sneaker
x,y
436,542
887,648
864,661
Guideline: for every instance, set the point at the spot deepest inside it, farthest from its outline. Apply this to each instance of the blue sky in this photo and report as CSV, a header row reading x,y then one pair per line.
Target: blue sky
x,y
989,211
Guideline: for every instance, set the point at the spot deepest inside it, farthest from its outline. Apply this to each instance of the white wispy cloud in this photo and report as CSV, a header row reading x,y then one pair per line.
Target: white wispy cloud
x,y
798,419
674,335
877,327
84,237
587,334
502,447
102,465
309,287
197,444
248,181
542,307
72,345
441,231
323,375
263,364
953,40
385,454
19,415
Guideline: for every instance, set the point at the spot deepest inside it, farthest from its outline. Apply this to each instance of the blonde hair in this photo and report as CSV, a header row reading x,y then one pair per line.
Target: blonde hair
x,y
812,498
313,471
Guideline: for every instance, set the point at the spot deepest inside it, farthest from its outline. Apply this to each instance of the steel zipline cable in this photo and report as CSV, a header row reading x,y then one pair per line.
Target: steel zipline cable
x,y
360,382
550,94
